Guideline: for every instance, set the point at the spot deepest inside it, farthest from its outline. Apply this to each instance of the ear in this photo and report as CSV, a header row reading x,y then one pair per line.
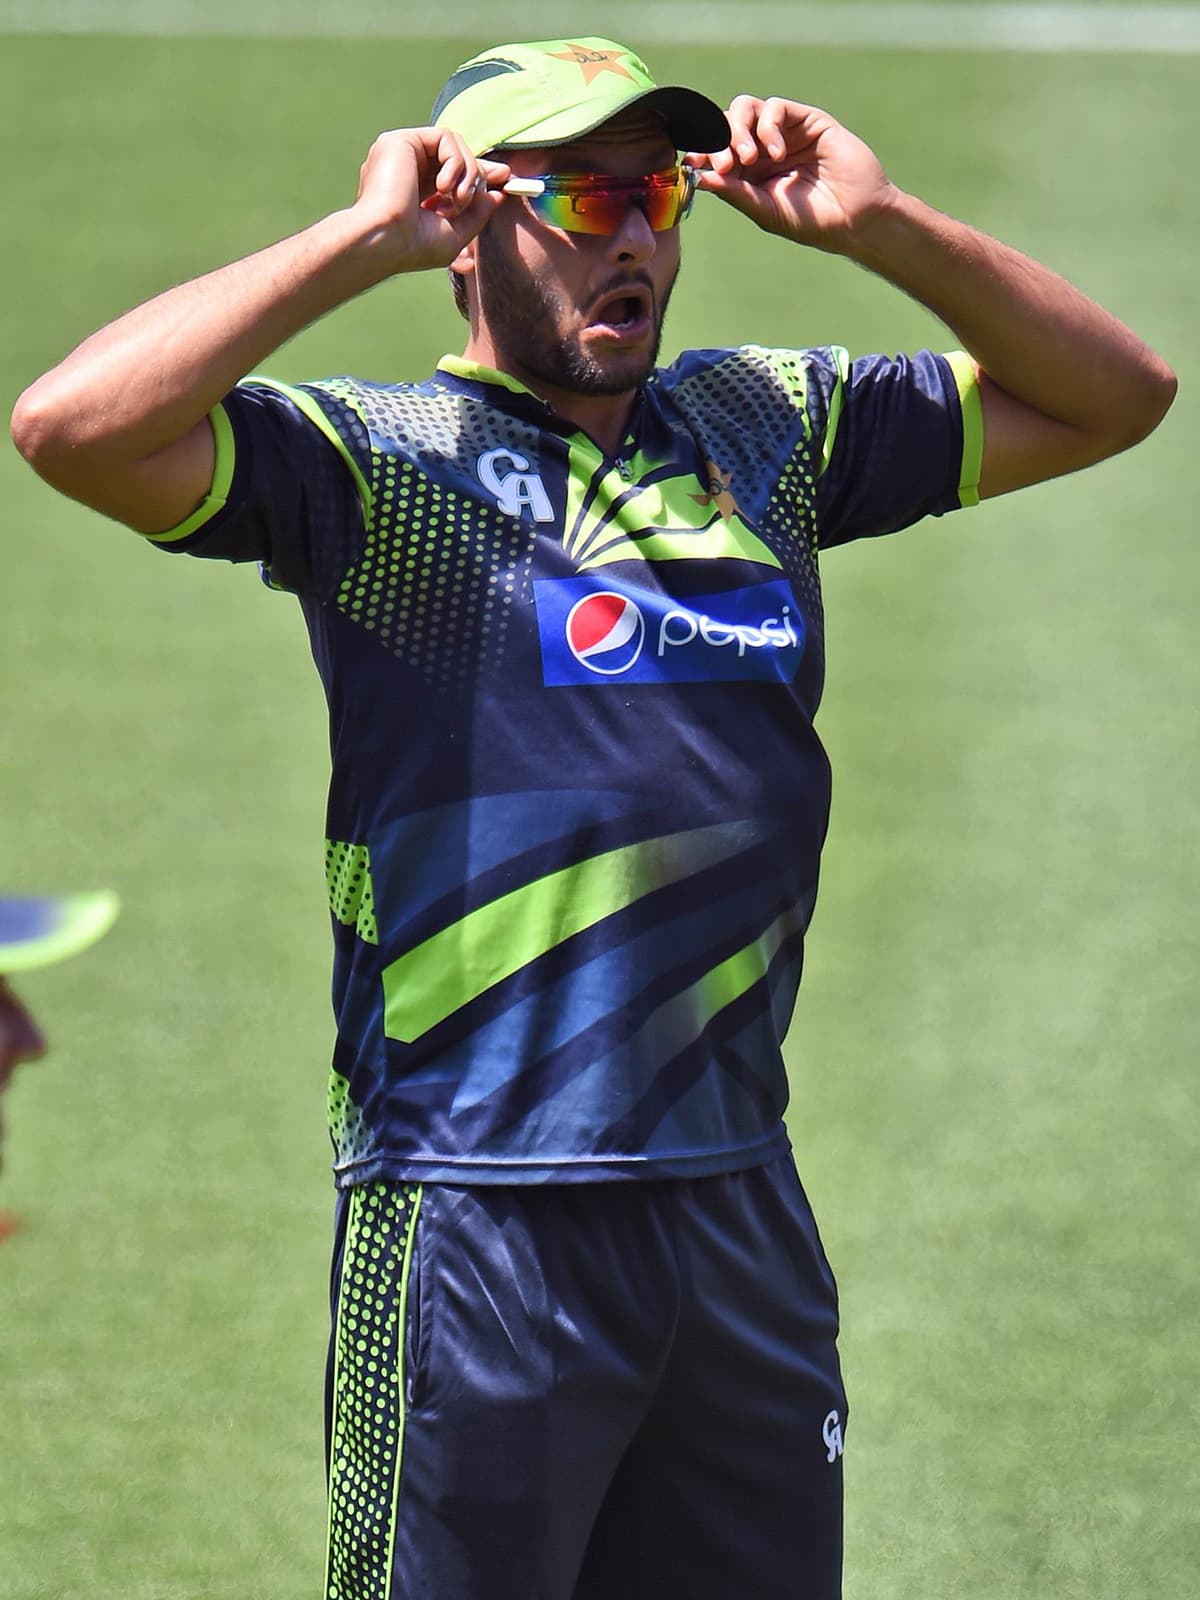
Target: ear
x,y
464,261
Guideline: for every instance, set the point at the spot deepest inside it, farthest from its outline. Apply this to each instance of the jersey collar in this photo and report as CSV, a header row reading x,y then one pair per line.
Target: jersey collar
x,y
460,369
473,372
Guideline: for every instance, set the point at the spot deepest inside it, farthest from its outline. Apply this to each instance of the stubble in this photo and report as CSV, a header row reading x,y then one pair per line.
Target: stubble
x,y
526,316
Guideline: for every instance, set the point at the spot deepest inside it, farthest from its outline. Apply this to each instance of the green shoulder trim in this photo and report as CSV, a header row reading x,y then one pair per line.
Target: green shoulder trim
x,y
842,357
462,368
971,404
304,402
219,492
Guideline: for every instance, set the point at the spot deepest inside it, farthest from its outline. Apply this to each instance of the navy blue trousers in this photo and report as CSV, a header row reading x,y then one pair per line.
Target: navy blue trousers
x,y
585,1392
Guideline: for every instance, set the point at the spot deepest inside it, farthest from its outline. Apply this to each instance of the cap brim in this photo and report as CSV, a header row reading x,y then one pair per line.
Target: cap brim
x,y
40,931
692,120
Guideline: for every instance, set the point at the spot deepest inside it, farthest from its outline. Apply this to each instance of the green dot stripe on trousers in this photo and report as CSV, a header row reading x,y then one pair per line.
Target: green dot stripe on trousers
x,y
368,1408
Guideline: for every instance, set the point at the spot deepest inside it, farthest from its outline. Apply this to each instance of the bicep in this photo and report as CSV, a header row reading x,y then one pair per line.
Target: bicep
x,y
161,491
150,494
1022,445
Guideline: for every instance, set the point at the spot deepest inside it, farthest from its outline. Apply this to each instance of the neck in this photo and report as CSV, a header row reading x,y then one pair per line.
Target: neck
x,y
603,417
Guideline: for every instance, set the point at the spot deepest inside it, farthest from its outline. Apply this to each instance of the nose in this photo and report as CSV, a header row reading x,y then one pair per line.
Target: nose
x,y
20,1037
635,240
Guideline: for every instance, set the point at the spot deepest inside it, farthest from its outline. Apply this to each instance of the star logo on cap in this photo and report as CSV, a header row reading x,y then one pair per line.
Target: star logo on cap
x,y
592,62
720,493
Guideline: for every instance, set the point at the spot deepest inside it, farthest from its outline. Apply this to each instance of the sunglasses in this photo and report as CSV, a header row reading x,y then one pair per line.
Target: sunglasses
x,y
597,203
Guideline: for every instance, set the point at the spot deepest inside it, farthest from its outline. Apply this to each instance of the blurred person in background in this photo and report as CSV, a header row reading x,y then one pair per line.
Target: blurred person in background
x,y
35,932
566,606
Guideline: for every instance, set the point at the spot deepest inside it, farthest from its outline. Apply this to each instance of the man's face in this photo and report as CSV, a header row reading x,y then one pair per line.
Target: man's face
x,y
20,1038
580,312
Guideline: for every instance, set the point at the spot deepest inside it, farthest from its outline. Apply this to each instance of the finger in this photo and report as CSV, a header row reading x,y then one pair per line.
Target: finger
x,y
770,128
472,180
454,162
483,208
496,173
458,180
743,114
737,192
474,217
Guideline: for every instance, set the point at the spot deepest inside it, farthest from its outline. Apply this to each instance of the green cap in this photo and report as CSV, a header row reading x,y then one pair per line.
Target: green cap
x,y
518,96
38,932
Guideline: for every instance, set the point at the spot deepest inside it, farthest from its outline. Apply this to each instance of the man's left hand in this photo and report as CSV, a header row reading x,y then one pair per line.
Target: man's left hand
x,y
797,172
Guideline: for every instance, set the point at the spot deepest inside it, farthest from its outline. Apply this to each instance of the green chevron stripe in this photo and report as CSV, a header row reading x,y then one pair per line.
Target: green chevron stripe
x,y
428,984
683,1017
835,407
664,519
743,969
720,541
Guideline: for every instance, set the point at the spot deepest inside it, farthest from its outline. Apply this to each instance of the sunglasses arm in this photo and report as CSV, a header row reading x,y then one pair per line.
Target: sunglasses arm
x,y
525,186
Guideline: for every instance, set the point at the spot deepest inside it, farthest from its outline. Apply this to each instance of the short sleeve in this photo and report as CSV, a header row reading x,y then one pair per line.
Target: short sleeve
x,y
903,439
286,492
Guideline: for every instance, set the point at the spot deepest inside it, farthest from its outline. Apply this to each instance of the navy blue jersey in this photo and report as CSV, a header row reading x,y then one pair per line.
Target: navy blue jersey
x,y
577,801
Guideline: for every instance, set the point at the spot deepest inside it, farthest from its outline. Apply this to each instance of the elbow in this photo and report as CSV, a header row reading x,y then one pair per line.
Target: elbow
x,y
1153,399
51,430
40,432
1147,394
27,427
1167,387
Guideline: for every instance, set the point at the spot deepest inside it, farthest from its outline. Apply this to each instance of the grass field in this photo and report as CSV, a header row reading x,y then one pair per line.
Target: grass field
x,y
995,1056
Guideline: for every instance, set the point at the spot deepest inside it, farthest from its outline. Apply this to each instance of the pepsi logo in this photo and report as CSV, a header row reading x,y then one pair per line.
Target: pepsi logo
x,y
595,636
605,632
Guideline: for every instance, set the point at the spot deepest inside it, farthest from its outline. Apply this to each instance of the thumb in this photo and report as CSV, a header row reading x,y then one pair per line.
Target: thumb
x,y
465,223
739,193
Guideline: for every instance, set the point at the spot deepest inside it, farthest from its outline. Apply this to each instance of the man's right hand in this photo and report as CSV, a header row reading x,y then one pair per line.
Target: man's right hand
x,y
122,423
427,195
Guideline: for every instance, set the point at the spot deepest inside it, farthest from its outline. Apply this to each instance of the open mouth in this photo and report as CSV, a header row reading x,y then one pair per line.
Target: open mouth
x,y
623,312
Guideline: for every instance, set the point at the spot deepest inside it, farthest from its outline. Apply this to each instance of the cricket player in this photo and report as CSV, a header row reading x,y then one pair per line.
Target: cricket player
x,y
566,606
34,932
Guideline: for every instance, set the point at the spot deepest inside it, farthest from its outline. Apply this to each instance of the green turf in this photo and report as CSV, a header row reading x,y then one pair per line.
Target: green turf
x,y
995,1054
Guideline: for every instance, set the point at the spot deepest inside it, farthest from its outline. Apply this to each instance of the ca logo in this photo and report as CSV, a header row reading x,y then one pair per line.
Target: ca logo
x,y
516,489
831,1432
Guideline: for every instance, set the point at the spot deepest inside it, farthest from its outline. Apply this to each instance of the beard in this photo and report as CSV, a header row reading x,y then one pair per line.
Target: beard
x,y
525,314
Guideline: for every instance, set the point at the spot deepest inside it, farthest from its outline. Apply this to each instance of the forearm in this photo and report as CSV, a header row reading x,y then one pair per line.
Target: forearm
x,y
120,424
141,383
1033,334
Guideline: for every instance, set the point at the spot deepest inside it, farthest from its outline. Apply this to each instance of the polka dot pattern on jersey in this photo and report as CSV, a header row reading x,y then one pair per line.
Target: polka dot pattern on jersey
x,y
352,1138
348,878
442,566
749,410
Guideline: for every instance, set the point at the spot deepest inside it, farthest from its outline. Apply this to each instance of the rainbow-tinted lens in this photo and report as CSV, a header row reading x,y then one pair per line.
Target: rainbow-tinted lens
x,y
597,203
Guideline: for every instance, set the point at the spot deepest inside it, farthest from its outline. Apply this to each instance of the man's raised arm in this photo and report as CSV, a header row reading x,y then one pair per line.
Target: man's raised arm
x,y
121,423
1063,383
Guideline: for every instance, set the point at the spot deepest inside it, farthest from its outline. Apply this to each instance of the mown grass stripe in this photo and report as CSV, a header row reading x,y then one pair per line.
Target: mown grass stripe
x,y
1021,26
